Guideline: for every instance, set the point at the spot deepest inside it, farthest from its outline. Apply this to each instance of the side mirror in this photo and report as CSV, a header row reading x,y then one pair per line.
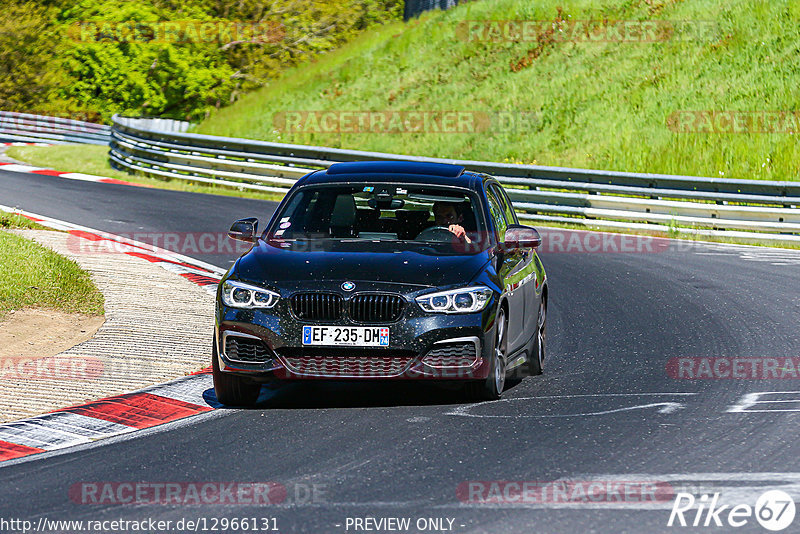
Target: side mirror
x,y
519,236
244,230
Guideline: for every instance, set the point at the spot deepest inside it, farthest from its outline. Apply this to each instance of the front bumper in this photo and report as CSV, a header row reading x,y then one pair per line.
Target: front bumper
x,y
265,344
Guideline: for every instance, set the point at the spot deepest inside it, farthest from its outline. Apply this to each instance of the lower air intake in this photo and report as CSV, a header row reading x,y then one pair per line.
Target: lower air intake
x,y
346,363
451,355
244,349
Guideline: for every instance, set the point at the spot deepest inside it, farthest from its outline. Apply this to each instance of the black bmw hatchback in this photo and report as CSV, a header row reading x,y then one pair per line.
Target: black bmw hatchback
x,y
383,270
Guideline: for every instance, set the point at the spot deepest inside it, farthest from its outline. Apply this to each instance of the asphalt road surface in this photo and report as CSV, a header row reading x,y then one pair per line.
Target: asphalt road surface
x,y
610,409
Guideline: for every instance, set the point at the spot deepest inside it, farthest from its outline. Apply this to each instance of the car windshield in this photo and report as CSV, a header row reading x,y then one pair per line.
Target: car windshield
x,y
405,215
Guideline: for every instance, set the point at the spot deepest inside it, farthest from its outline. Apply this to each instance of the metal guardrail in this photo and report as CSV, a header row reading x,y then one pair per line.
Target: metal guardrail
x,y
25,127
763,210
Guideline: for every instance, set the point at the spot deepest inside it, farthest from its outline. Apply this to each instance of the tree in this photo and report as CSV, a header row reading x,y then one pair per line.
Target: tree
x,y
30,75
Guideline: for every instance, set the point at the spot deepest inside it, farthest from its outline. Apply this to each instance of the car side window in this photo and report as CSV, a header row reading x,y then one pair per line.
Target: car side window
x,y
497,212
508,207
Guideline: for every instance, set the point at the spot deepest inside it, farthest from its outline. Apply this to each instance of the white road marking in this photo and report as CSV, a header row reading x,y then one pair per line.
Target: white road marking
x,y
747,401
775,256
664,407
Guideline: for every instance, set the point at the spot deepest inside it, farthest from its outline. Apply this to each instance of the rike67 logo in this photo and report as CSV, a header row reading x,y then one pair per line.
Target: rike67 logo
x,y
773,510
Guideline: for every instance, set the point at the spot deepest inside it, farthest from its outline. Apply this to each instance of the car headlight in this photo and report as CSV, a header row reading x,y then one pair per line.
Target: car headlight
x,y
464,300
239,295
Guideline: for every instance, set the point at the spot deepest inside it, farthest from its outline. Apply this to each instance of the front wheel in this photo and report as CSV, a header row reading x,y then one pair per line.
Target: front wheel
x,y
232,390
492,387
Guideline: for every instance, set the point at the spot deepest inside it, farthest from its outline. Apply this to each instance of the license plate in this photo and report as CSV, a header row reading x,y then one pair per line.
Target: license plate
x,y
352,336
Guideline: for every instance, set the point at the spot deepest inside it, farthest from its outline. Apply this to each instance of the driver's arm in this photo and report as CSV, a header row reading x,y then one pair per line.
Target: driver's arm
x,y
459,231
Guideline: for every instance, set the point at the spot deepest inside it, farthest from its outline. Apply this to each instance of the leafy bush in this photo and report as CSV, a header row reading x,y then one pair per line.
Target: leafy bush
x,y
104,55
29,74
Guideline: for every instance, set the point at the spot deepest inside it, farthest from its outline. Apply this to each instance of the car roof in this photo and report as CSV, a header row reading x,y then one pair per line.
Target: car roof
x,y
393,171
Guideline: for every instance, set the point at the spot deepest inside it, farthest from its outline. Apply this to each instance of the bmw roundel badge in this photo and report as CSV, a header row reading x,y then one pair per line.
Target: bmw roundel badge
x,y
348,286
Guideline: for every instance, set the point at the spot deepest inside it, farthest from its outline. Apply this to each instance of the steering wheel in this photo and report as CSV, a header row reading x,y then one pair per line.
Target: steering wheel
x,y
435,233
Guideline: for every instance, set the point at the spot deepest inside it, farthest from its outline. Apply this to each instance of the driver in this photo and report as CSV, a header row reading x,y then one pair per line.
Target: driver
x,y
450,216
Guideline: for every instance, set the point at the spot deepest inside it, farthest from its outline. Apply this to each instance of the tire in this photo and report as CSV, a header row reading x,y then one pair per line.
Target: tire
x,y
492,387
536,365
232,390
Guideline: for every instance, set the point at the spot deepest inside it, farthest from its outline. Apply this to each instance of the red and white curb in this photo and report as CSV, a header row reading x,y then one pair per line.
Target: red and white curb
x,y
25,144
201,273
119,414
19,167
107,417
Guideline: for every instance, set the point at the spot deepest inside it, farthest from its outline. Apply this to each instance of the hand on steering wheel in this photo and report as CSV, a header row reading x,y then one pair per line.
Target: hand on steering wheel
x,y
435,233
442,234
459,231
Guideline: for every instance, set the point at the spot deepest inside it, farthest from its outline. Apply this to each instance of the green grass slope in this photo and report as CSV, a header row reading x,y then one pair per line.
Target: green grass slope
x,y
34,275
603,105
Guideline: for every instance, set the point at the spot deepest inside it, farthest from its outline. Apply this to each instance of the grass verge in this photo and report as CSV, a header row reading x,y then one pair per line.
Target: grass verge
x,y
15,220
570,101
35,276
